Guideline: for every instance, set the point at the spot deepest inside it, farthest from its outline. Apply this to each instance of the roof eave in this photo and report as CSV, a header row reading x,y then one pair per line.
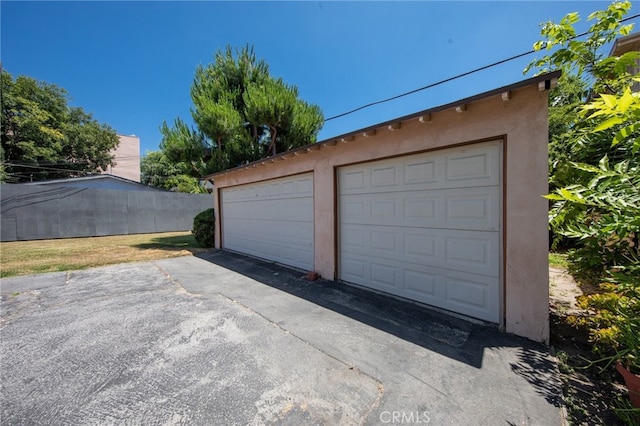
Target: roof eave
x,y
547,81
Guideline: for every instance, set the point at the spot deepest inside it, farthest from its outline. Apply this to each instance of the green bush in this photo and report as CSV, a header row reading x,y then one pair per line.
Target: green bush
x,y
204,228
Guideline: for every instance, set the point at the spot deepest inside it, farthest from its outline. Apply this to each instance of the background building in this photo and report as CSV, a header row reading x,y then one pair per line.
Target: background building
x,y
127,159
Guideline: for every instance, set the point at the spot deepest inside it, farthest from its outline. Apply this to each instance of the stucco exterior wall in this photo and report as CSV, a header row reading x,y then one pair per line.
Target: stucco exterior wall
x,y
520,122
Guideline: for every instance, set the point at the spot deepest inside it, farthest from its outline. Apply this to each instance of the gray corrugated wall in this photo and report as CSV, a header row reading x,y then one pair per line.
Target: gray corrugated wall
x,y
41,212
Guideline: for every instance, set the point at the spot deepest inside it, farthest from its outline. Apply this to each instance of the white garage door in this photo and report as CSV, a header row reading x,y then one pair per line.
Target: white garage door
x,y
272,220
426,227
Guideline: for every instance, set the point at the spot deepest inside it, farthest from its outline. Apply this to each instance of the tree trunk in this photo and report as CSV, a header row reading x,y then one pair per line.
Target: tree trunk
x,y
272,144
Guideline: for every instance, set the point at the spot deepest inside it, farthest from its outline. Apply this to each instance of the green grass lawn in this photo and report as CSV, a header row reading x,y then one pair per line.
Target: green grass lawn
x,y
33,257
558,260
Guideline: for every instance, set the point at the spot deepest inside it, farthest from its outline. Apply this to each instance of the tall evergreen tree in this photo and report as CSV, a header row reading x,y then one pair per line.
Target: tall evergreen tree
x,y
242,114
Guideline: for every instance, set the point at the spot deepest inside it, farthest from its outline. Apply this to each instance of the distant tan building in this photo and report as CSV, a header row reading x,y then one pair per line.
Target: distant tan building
x,y
628,44
127,159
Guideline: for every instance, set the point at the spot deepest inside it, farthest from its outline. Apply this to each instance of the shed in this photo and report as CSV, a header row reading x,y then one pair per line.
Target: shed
x,y
443,207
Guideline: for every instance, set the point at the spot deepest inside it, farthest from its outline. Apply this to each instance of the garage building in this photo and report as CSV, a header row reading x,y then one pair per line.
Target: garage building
x,y
443,207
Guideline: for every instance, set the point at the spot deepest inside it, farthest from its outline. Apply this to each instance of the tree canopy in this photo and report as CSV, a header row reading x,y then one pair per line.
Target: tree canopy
x,y
579,137
44,138
242,114
595,166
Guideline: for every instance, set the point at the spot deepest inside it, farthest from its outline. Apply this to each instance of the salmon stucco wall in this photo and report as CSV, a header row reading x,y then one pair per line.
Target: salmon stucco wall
x,y
518,118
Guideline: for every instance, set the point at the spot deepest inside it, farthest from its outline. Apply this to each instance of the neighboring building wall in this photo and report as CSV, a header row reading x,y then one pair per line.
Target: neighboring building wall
x,y
519,118
628,44
44,212
127,159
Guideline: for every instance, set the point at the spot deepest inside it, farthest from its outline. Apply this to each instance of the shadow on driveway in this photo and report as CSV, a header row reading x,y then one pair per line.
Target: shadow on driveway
x,y
456,338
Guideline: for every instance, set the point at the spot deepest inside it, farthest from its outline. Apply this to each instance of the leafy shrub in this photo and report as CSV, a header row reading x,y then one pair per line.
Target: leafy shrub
x,y
603,213
204,228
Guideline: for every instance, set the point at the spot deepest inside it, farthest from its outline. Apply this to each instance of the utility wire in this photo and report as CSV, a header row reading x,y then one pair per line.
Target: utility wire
x,y
45,168
65,163
446,80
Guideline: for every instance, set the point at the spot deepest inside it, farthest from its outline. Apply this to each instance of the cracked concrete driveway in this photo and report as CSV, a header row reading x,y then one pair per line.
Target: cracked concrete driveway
x,y
223,339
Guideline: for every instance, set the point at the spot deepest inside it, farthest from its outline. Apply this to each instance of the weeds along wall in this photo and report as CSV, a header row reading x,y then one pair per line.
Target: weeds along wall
x,y
44,212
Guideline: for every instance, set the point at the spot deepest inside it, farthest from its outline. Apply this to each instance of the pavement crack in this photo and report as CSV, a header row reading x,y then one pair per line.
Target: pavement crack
x,y
179,287
375,404
281,328
427,384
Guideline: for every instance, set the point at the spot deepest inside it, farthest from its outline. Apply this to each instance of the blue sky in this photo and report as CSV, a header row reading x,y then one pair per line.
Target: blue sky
x,y
131,64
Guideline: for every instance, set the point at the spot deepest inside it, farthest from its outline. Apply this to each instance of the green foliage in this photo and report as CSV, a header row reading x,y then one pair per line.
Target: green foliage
x,y
558,260
242,114
565,102
603,214
44,138
595,176
204,226
157,170
602,208
584,58
270,103
586,71
185,183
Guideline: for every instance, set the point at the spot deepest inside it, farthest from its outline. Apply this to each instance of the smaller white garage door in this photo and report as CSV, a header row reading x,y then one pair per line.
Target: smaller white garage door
x,y
426,227
272,220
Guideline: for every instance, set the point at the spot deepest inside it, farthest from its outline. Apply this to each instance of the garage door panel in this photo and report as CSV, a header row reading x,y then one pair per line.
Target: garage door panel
x,y
426,227
296,234
296,209
419,209
475,209
384,276
472,208
475,165
472,251
355,270
384,240
384,176
384,209
422,170
421,245
475,295
425,286
272,220
249,232
459,168
302,187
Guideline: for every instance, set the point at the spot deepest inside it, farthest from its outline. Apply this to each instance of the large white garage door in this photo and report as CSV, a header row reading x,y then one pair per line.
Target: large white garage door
x,y
426,227
272,220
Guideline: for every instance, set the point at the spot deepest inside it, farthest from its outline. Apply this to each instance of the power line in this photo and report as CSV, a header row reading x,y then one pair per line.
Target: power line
x,y
44,168
446,80
65,163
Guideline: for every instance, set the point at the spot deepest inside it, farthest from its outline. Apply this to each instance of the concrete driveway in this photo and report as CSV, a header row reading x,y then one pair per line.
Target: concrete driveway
x,y
226,340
